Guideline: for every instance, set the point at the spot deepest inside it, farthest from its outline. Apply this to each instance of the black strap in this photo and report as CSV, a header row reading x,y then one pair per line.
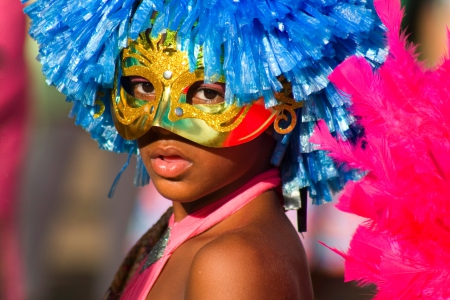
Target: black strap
x,y
301,213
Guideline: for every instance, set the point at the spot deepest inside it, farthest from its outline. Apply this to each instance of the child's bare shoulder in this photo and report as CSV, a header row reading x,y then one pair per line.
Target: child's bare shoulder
x,y
248,264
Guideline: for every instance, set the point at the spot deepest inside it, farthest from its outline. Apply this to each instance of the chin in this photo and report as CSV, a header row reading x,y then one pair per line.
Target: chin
x,y
177,191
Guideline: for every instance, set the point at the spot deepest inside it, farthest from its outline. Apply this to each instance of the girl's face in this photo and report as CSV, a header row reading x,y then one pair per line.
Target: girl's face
x,y
186,172
195,146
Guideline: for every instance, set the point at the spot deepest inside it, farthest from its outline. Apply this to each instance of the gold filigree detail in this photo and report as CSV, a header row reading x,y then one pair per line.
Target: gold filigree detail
x,y
150,76
149,64
287,105
225,121
98,102
167,69
160,56
126,114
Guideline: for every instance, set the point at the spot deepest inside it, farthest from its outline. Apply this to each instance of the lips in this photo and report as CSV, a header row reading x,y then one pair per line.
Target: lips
x,y
169,162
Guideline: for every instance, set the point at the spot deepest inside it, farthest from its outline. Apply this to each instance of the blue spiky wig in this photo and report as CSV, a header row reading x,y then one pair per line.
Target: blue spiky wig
x,y
260,40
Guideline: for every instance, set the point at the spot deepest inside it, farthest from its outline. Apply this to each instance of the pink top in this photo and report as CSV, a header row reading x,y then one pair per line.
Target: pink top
x,y
192,225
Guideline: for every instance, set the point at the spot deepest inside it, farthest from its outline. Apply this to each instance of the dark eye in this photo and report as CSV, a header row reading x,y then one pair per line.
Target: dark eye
x,y
207,94
203,93
138,87
144,88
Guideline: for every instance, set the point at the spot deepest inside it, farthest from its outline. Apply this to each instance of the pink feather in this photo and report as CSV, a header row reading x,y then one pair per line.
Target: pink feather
x,y
404,246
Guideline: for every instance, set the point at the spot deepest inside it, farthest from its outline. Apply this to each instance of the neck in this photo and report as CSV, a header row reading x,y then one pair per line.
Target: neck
x,y
181,210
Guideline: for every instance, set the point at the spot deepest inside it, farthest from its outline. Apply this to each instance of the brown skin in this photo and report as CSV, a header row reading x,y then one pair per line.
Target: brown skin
x,y
253,254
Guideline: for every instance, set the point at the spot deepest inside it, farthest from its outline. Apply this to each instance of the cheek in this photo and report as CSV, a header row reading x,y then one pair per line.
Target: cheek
x,y
221,166
218,171
210,172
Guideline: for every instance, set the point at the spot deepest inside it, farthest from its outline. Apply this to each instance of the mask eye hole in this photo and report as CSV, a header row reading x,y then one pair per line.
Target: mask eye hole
x,y
206,93
138,87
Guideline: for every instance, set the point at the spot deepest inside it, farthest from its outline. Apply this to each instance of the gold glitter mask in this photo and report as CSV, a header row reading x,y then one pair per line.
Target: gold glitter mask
x,y
154,87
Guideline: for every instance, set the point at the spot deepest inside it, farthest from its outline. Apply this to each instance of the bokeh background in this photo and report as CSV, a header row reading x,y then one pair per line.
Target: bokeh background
x,y
70,238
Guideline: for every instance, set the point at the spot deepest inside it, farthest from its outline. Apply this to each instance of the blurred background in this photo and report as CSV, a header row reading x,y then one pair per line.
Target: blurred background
x,y
60,236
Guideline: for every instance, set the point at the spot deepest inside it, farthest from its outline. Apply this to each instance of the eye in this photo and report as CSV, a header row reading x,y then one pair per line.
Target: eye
x,y
138,87
143,88
203,93
207,94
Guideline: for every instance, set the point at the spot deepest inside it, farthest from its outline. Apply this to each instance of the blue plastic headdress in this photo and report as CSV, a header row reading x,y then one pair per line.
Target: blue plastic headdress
x,y
261,40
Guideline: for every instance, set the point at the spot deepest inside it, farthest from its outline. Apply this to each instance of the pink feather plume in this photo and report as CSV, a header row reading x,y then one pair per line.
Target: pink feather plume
x,y
404,246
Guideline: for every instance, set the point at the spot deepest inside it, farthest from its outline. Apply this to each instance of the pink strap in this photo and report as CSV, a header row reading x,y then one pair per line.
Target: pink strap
x,y
192,225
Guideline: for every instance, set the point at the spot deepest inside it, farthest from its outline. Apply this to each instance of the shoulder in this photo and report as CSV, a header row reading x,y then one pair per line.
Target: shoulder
x,y
242,264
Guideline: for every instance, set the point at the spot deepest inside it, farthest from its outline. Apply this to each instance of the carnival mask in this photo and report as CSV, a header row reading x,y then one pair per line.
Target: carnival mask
x,y
154,87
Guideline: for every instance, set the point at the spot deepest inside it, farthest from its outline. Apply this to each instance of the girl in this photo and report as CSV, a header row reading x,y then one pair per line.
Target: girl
x,y
215,99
